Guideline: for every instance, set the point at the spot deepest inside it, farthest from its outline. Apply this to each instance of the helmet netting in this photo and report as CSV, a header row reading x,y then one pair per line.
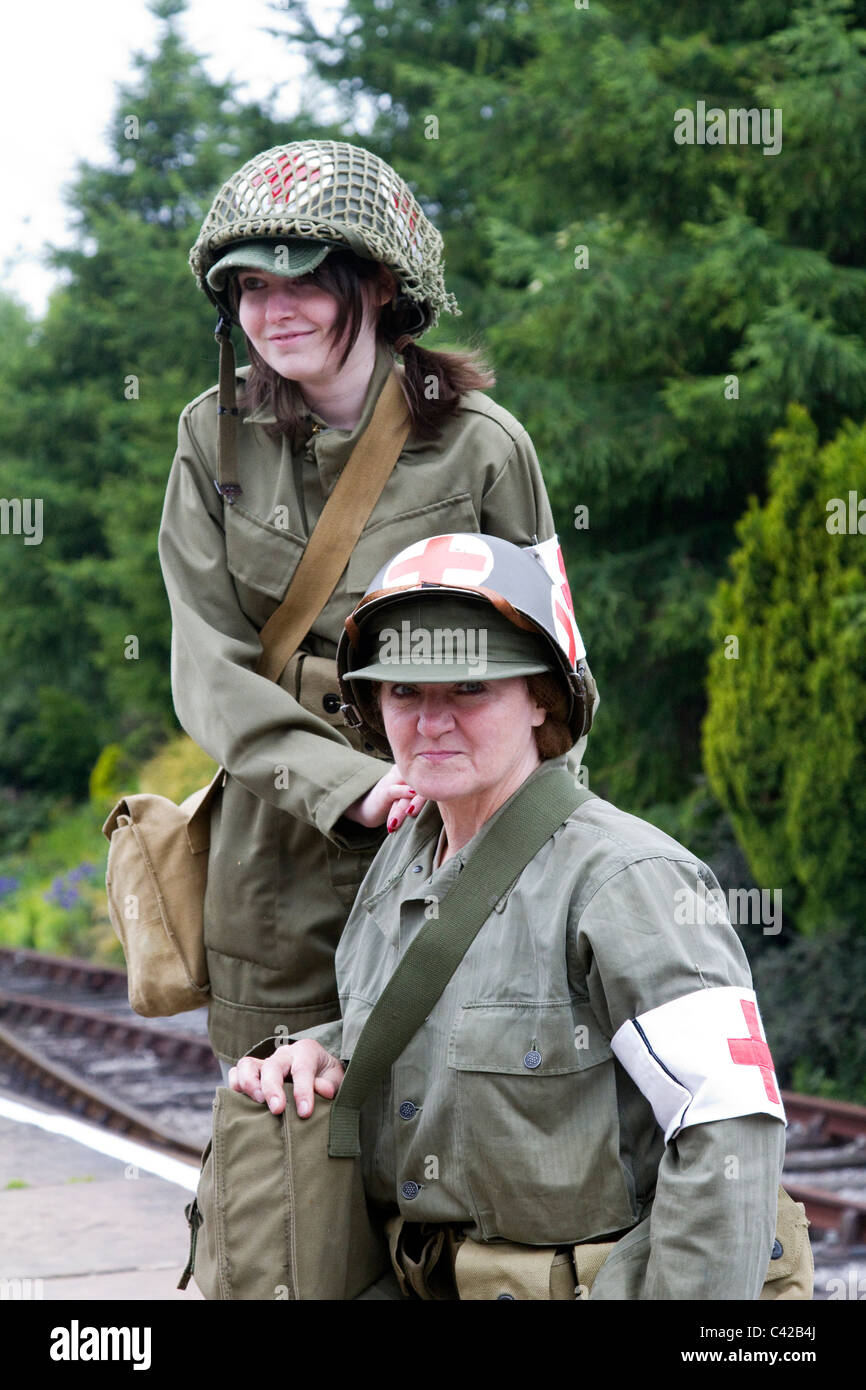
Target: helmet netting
x,y
325,189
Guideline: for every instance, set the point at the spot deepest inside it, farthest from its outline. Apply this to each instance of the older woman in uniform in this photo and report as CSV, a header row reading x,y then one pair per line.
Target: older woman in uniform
x,y
323,255
594,1078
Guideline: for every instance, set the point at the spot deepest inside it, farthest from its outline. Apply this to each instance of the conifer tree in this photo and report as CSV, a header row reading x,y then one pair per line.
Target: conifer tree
x,y
96,389
785,733
651,307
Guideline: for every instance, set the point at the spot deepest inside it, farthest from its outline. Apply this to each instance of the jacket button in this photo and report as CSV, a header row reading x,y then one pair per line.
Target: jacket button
x,y
410,1190
331,702
532,1060
408,1111
778,1252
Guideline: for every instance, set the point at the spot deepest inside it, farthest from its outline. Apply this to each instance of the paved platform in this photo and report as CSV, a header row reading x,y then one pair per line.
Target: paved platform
x,y
84,1224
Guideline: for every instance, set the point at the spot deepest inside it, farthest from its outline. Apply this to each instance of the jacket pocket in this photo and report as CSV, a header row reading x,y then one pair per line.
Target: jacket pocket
x,y
261,559
384,539
537,1122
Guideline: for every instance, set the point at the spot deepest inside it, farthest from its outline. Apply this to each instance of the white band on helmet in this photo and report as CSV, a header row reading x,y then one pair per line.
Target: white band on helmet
x,y
550,554
701,1057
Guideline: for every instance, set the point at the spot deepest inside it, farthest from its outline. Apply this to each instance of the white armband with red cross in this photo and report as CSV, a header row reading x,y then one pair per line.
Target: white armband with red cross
x,y
701,1057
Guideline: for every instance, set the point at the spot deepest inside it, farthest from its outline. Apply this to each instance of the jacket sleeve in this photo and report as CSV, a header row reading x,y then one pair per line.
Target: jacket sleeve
x,y
714,1210
516,505
713,1217
247,723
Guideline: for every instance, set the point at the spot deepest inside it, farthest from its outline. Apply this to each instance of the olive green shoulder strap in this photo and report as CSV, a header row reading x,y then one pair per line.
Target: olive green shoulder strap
x,y
421,976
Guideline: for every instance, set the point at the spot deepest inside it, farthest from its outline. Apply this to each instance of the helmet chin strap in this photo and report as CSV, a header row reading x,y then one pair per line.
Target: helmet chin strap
x,y
226,482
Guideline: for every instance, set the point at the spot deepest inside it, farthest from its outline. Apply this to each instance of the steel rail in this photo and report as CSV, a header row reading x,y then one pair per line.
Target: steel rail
x,y
825,1120
828,1211
74,1093
81,1021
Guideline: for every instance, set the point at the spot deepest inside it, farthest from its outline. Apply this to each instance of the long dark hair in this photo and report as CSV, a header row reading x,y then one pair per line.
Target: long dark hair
x,y
433,382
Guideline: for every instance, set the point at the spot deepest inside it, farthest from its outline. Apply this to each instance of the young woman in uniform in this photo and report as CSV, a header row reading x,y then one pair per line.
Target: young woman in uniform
x,y
593,1082
323,256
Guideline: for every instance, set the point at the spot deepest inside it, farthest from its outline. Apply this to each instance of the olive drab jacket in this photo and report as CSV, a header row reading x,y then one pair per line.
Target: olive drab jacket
x,y
510,1110
284,862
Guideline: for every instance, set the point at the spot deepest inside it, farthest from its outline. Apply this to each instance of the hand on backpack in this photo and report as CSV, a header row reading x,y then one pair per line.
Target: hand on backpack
x,y
311,1068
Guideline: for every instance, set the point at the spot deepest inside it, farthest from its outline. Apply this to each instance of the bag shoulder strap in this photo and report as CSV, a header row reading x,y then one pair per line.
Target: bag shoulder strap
x,y
421,976
343,518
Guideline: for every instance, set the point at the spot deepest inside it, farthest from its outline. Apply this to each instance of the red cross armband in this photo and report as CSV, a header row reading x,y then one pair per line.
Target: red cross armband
x,y
701,1057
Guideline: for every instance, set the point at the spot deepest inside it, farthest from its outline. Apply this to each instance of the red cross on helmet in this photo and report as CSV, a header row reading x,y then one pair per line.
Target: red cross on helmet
x,y
526,585
311,196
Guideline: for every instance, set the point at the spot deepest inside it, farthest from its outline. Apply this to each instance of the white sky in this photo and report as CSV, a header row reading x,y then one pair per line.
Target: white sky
x,y
64,60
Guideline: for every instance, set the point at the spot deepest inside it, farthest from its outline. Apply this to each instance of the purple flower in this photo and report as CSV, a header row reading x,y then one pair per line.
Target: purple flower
x,y
62,894
83,871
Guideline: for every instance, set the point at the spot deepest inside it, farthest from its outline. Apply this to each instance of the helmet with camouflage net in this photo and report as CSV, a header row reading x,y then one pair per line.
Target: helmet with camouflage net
x,y
424,612
336,195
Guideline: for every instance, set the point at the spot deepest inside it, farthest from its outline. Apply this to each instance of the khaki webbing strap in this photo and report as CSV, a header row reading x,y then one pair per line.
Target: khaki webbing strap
x,y
226,480
423,973
588,1260
343,518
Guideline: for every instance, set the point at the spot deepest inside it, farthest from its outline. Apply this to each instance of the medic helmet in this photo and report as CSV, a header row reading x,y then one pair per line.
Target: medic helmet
x,y
327,194
534,628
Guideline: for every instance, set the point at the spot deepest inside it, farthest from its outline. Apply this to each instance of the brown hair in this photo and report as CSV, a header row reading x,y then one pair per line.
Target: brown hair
x,y
346,276
552,738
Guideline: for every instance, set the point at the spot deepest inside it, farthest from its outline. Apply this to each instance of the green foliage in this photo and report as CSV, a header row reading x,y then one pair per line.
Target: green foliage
x,y
21,815
530,132
93,395
811,994
111,778
534,131
52,875
785,734
50,743
699,822
177,770
58,903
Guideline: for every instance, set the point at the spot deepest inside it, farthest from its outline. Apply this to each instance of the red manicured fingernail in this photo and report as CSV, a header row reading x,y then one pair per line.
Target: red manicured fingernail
x,y
392,825
413,810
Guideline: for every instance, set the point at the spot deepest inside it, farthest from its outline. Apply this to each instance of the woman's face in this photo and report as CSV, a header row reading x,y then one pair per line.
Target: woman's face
x,y
464,740
288,321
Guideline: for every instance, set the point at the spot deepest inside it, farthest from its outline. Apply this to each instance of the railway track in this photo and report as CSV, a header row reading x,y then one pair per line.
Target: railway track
x,y
825,1165
67,1033
68,1036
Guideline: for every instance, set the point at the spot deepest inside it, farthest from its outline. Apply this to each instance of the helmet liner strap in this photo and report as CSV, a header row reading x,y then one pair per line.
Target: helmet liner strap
x,y
226,482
